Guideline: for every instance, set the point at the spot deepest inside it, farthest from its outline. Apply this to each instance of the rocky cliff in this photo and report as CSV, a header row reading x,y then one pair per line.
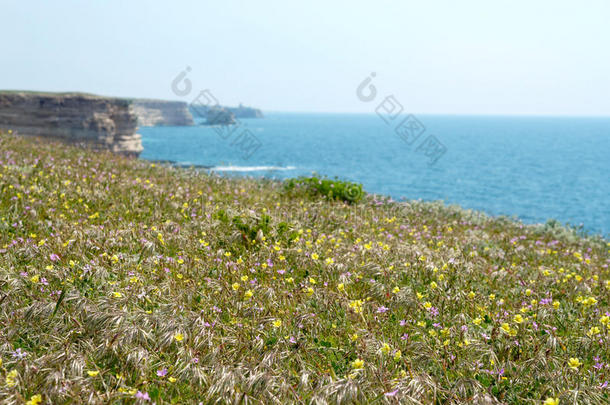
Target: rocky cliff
x,y
159,112
100,122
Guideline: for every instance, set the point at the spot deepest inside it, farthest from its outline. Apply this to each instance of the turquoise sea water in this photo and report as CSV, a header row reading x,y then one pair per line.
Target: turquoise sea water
x,y
534,168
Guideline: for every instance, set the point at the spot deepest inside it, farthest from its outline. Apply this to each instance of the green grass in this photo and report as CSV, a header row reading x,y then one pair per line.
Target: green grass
x,y
118,276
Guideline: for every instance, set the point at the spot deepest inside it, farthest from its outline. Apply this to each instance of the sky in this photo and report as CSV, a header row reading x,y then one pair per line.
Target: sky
x,y
442,57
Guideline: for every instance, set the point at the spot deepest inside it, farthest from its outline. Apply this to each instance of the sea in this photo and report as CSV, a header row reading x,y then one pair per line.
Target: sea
x,y
532,168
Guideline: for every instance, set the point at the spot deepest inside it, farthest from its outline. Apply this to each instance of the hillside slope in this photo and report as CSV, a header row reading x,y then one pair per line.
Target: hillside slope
x,y
121,280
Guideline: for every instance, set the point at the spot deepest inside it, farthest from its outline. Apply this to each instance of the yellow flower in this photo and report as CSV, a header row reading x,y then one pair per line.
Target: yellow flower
x,y
179,337
604,320
427,305
574,363
433,285
277,323
248,294
471,295
10,378
117,294
397,355
396,290
528,292
505,327
93,373
556,304
356,305
235,286
244,278
357,364
315,256
385,349
172,379
309,291
551,401
594,331
354,337
518,318
341,287
477,321
34,400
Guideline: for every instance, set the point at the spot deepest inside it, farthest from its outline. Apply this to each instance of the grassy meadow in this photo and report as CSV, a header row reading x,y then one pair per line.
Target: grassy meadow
x,y
123,281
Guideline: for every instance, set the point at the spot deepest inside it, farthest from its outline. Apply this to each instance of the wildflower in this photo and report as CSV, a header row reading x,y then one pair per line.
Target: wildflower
x,y
248,294
143,395
518,318
556,304
505,327
341,287
34,400
315,256
385,349
471,295
309,291
433,285
235,286
396,290
172,379
162,372
574,363
382,309
477,321
93,373
397,355
10,378
357,364
356,305
35,278
179,337
594,331
244,278
19,354
354,337
117,294
551,401
277,323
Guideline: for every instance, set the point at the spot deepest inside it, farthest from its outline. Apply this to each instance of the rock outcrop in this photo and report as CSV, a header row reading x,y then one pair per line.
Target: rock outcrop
x,y
202,111
242,111
219,116
162,113
99,122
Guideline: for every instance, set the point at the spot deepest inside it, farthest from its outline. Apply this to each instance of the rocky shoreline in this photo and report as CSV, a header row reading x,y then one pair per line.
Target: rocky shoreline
x,y
107,123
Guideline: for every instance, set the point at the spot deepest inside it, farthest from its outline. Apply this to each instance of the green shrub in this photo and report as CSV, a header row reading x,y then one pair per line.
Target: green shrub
x,y
331,189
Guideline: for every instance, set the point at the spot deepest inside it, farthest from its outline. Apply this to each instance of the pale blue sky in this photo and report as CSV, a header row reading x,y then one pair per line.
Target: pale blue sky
x,y
460,57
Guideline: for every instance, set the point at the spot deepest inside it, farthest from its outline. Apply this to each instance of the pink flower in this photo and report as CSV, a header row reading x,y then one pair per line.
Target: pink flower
x,y
54,257
162,372
143,395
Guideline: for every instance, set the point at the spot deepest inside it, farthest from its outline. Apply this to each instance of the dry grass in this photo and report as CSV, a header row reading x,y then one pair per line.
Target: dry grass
x,y
121,281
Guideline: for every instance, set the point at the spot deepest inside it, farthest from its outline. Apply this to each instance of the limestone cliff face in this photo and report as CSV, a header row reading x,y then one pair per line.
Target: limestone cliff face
x,y
158,112
100,122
